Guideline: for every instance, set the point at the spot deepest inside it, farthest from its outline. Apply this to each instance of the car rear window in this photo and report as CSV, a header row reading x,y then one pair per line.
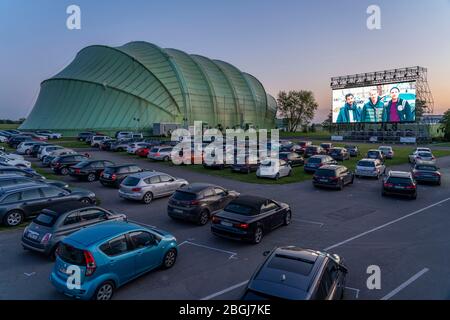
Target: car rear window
x,y
290,264
326,173
425,154
426,168
397,180
373,153
45,220
184,196
131,181
366,164
71,254
154,150
315,160
110,170
240,209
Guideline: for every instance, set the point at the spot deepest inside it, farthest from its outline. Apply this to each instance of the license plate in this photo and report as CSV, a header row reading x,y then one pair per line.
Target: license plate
x,y
399,187
323,180
105,175
33,236
226,224
177,211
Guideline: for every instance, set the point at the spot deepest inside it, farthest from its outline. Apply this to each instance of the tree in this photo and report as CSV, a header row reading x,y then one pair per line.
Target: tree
x,y
421,107
326,124
446,125
298,107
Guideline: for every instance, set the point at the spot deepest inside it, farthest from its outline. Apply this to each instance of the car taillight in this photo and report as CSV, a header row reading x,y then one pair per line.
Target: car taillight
x,y
388,185
136,189
194,202
113,177
334,178
215,219
90,263
57,164
157,154
77,171
242,225
411,186
46,238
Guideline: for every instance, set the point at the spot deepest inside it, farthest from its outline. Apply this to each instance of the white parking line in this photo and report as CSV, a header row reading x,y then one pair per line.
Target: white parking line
x,y
385,225
310,222
339,244
405,284
211,296
232,254
353,289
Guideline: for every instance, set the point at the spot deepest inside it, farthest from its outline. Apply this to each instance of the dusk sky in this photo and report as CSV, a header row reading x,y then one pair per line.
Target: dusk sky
x,y
286,44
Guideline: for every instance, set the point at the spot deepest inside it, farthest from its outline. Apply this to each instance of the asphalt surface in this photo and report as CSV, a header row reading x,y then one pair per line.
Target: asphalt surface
x,y
407,239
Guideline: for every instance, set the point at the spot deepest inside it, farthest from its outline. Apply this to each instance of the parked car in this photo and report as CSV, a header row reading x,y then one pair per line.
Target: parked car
x,y
143,151
26,172
27,146
35,149
273,169
314,151
35,136
427,172
96,140
333,176
161,153
292,158
97,134
109,255
376,154
387,151
61,164
148,185
12,156
249,218
82,136
399,183
14,179
23,201
352,150
15,140
197,202
15,162
58,221
121,145
293,273
106,144
114,175
89,170
133,147
315,162
123,135
373,168
304,145
339,154
247,165
49,134
47,150
327,147
421,156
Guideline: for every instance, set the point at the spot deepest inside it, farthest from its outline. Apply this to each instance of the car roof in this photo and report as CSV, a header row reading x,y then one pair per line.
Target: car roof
x,y
7,176
400,174
368,160
99,233
22,186
146,174
331,167
116,166
373,150
196,187
385,147
426,162
60,208
320,156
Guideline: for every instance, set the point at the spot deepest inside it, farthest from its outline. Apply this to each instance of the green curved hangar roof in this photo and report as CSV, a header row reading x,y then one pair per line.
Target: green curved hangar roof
x,y
138,84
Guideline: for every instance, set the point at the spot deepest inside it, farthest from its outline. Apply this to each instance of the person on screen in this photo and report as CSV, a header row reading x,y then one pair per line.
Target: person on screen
x,y
349,113
373,109
398,109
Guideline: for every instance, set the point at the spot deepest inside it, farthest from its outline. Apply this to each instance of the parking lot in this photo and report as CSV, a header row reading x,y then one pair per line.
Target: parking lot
x,y
407,239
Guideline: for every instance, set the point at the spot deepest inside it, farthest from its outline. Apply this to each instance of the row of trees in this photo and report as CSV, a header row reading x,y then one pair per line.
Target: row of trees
x,y
297,107
9,121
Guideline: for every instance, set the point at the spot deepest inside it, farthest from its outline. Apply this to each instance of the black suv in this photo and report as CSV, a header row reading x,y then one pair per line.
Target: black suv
x,y
316,162
198,201
14,141
333,177
399,183
314,151
339,154
61,164
114,175
293,273
293,158
89,170
22,201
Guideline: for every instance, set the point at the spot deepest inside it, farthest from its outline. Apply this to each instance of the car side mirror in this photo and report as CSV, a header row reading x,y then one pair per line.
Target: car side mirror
x,y
266,253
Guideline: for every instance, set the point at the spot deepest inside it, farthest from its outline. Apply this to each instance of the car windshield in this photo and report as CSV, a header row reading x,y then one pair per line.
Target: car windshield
x,y
266,163
326,173
131,181
71,254
81,164
426,168
45,220
240,209
398,180
184,196
366,164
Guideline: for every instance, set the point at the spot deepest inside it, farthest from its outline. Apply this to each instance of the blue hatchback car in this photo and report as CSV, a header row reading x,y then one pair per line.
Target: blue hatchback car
x,y
93,262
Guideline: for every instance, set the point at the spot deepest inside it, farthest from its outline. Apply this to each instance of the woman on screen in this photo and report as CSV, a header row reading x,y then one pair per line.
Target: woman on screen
x,y
373,109
349,113
398,109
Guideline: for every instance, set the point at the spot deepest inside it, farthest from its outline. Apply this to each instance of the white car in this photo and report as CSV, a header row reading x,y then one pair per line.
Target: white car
x,y
47,150
15,162
422,156
12,156
370,168
25,147
387,151
49,134
3,138
274,169
95,141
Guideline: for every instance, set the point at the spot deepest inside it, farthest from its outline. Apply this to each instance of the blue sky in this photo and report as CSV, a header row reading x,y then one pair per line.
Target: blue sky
x,y
287,44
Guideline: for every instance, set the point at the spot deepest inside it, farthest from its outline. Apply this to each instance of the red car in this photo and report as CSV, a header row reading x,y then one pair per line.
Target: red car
x,y
142,152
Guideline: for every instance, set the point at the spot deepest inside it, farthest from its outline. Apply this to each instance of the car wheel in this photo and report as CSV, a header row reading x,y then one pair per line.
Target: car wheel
x,y
13,218
414,196
169,259
148,197
64,171
290,173
353,180
85,200
104,291
91,177
288,218
166,159
203,218
439,182
28,152
341,185
52,254
258,235
277,177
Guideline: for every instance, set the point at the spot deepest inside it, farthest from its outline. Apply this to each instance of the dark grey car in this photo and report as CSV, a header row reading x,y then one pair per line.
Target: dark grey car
x,y
58,221
13,179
